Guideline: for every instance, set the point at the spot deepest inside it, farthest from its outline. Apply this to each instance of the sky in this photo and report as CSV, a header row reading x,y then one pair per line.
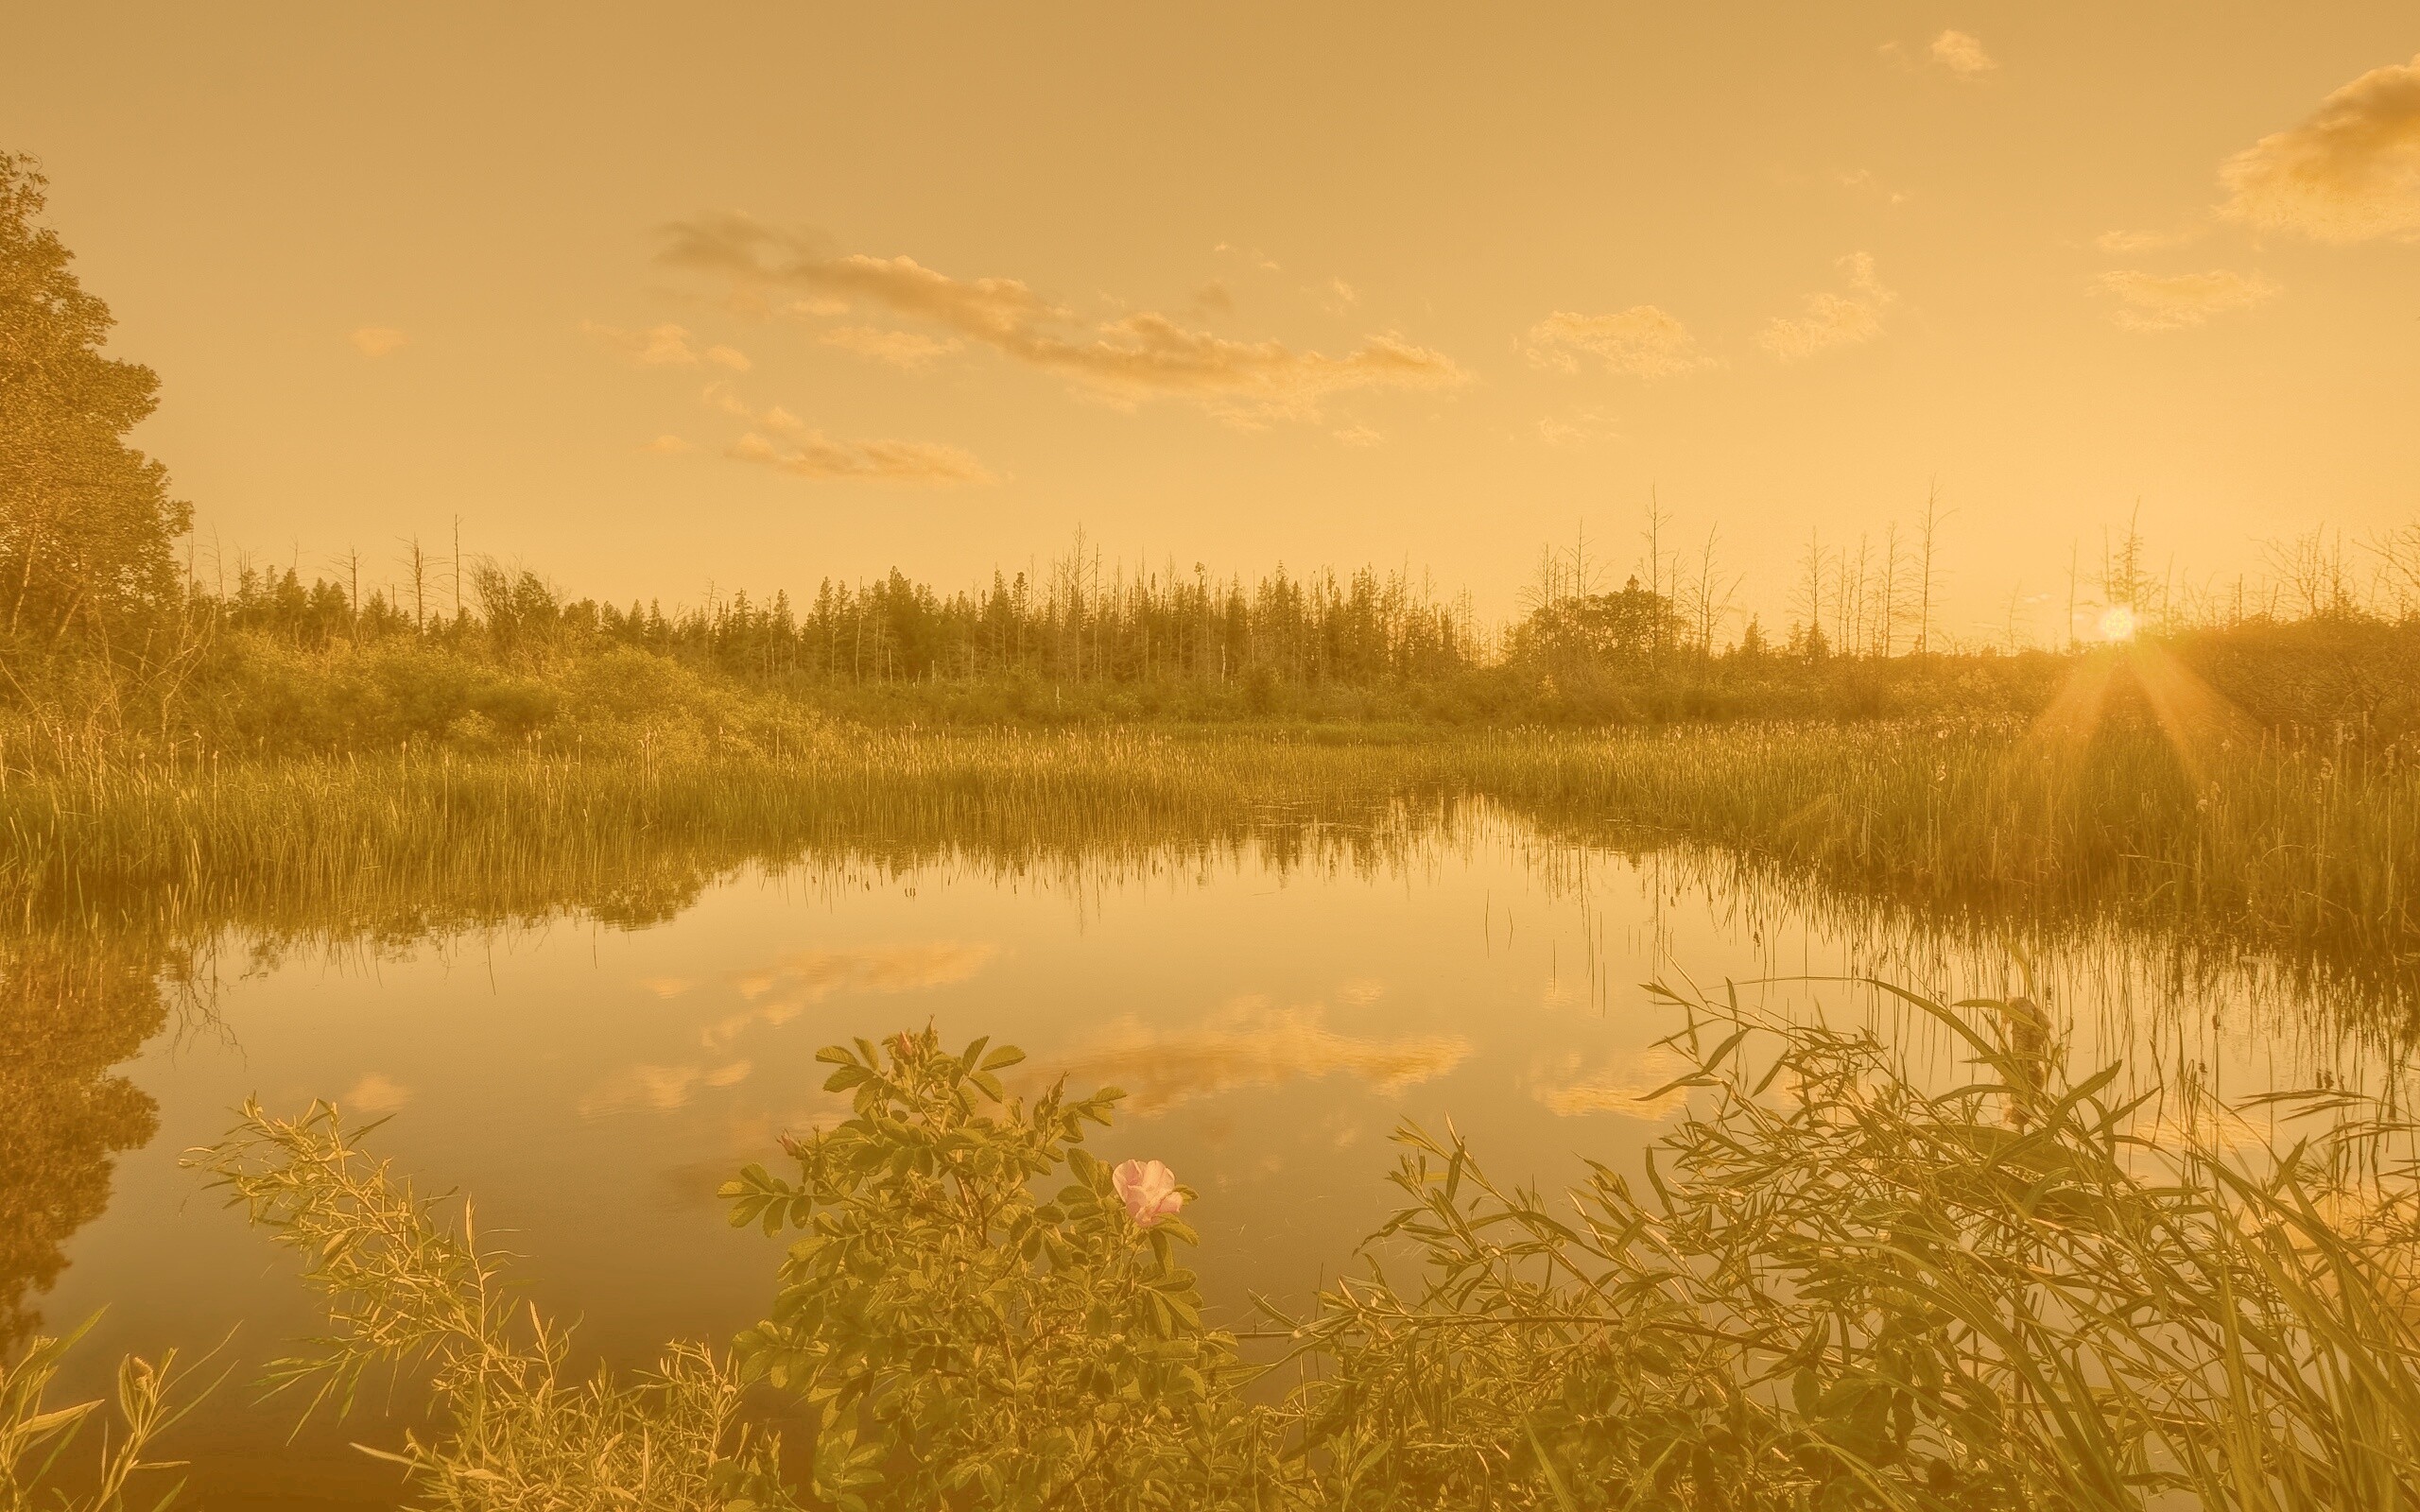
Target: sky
x,y
668,301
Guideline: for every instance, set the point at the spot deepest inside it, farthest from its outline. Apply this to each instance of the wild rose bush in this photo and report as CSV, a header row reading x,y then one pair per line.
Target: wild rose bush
x,y
964,1341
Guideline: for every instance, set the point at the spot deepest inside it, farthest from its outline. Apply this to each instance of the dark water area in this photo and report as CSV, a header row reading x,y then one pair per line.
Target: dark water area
x,y
1274,1004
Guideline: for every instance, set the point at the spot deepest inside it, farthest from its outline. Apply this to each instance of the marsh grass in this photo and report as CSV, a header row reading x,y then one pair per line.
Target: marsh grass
x,y
1838,1287
2306,849
39,1443
410,1288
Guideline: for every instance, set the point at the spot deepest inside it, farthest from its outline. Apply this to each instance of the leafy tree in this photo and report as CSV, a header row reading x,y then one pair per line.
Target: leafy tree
x,y
86,522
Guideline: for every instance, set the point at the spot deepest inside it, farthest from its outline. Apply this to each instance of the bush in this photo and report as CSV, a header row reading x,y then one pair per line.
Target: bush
x,y
1838,1290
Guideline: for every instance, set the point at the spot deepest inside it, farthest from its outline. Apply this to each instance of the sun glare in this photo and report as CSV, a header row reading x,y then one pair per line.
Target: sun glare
x,y
2118,623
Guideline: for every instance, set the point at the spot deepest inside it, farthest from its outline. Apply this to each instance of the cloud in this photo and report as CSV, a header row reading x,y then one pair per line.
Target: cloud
x,y
1135,357
1832,319
1863,179
2152,301
1249,1043
798,448
1359,435
2348,173
1255,256
2122,242
1578,428
668,445
1962,54
805,453
1642,341
377,340
374,1096
900,349
1213,298
664,346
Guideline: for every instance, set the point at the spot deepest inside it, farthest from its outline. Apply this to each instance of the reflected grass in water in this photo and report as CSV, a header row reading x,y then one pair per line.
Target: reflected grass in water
x,y
2310,851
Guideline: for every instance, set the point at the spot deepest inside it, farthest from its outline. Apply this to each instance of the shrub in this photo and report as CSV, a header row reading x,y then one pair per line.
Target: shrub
x,y
957,1337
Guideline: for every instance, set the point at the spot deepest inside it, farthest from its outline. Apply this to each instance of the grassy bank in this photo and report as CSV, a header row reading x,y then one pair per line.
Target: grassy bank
x,y
2291,846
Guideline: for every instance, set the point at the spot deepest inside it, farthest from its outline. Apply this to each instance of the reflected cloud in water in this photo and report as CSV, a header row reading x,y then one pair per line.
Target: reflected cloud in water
x,y
802,978
374,1096
658,1089
1631,1084
1250,1042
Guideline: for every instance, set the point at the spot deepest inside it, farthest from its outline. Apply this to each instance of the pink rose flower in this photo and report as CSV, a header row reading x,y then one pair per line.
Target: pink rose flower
x,y
1148,1190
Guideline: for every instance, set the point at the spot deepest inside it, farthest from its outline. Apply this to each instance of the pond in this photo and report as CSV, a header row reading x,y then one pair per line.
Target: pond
x,y
1274,1003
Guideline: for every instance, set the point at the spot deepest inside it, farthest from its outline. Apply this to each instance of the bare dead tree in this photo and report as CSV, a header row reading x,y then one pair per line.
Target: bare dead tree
x,y
1933,518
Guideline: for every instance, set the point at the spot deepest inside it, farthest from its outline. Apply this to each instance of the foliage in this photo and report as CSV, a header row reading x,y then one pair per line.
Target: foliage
x,y
34,1438
1577,632
1836,1286
1844,1290
407,1289
69,1013
964,1342
86,523
2305,848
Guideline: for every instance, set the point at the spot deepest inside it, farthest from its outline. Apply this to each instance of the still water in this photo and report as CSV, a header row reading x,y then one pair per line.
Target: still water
x,y
1274,1012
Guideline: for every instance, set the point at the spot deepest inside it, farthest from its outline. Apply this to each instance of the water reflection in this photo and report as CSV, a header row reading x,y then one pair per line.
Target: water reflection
x,y
70,1010
591,1054
1246,1042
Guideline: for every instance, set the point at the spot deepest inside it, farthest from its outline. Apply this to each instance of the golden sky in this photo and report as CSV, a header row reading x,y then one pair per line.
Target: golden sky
x,y
654,297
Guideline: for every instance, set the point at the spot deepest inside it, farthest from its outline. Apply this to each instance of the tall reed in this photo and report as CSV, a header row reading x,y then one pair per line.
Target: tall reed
x,y
2269,843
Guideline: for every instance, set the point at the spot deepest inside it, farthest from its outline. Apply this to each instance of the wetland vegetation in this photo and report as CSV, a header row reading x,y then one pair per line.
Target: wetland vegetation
x,y
1833,1284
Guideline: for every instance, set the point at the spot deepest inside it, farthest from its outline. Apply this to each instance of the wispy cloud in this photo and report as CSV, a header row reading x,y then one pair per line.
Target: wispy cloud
x,y
810,454
779,439
1578,428
377,340
664,346
900,349
1642,341
1962,54
2125,242
2154,301
668,445
2348,173
1258,259
1127,358
1863,180
1832,319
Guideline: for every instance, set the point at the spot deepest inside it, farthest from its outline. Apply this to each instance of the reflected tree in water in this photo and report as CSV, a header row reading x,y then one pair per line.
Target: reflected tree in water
x,y
68,1012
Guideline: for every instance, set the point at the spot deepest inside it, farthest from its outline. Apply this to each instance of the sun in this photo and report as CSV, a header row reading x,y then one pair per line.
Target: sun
x,y
2118,623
